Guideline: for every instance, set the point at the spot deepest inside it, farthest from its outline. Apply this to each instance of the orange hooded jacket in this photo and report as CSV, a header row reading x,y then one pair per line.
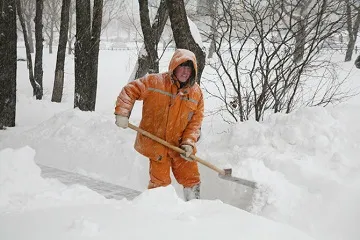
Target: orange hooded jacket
x,y
169,112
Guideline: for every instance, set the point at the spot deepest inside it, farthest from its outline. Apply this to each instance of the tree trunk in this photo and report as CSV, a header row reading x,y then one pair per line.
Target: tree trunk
x,y
149,62
213,6
70,37
182,34
38,70
82,56
8,55
300,36
149,37
352,30
60,61
27,47
87,53
51,38
202,7
30,36
94,49
350,48
70,48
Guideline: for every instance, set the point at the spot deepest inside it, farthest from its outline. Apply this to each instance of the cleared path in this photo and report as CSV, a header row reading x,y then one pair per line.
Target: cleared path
x,y
106,189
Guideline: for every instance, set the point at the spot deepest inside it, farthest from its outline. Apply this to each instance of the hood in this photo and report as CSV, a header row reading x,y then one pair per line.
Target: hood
x,y
180,56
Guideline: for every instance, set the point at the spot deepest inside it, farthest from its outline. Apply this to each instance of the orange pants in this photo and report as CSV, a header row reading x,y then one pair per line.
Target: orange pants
x,y
185,172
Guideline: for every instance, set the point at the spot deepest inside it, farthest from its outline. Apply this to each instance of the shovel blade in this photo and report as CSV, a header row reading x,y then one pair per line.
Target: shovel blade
x,y
227,176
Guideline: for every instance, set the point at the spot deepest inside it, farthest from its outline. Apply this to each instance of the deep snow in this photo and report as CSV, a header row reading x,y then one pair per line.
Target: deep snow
x,y
306,161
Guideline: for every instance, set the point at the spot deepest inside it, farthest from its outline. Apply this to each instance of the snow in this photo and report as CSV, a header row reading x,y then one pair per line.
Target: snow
x,y
195,33
306,162
45,208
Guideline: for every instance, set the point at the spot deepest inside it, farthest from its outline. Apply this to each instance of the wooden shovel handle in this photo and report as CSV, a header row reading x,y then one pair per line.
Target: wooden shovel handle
x,y
177,149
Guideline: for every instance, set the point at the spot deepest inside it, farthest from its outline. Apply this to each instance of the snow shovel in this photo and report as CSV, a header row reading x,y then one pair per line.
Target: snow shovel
x,y
223,173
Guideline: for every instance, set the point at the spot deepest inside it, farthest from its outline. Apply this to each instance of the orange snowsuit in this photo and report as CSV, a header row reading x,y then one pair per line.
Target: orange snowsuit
x,y
169,112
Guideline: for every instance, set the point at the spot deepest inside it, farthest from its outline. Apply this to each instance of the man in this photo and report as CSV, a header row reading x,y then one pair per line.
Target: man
x,y
173,109
357,62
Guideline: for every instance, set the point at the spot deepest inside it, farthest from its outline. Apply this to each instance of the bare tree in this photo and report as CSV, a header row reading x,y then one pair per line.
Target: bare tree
x,y
112,9
27,47
38,70
148,60
71,33
182,34
352,23
203,7
8,54
28,7
301,14
256,63
52,20
213,6
86,53
59,70
206,10
82,98
94,47
298,12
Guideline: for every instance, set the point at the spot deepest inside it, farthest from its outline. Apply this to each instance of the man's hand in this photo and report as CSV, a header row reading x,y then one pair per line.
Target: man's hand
x,y
188,151
121,121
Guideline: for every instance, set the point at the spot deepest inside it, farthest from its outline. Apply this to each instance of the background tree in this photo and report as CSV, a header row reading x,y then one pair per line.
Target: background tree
x,y
212,6
255,54
148,59
19,9
95,44
352,25
82,98
60,60
8,54
299,12
182,34
38,70
203,7
86,53
52,9
112,10
28,7
71,33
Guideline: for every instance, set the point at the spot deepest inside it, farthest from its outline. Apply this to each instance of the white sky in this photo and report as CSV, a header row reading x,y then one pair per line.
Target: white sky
x,y
307,162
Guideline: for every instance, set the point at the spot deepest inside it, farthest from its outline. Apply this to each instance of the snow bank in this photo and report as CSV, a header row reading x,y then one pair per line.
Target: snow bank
x,y
83,214
22,187
307,162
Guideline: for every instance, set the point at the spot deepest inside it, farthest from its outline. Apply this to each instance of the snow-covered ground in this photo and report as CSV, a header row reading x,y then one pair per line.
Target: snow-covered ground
x,y
36,208
306,161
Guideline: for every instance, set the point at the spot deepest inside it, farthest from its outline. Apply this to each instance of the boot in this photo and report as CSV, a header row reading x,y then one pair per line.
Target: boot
x,y
192,192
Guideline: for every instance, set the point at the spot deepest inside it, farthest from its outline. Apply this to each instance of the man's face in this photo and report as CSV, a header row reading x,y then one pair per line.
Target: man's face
x,y
183,73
